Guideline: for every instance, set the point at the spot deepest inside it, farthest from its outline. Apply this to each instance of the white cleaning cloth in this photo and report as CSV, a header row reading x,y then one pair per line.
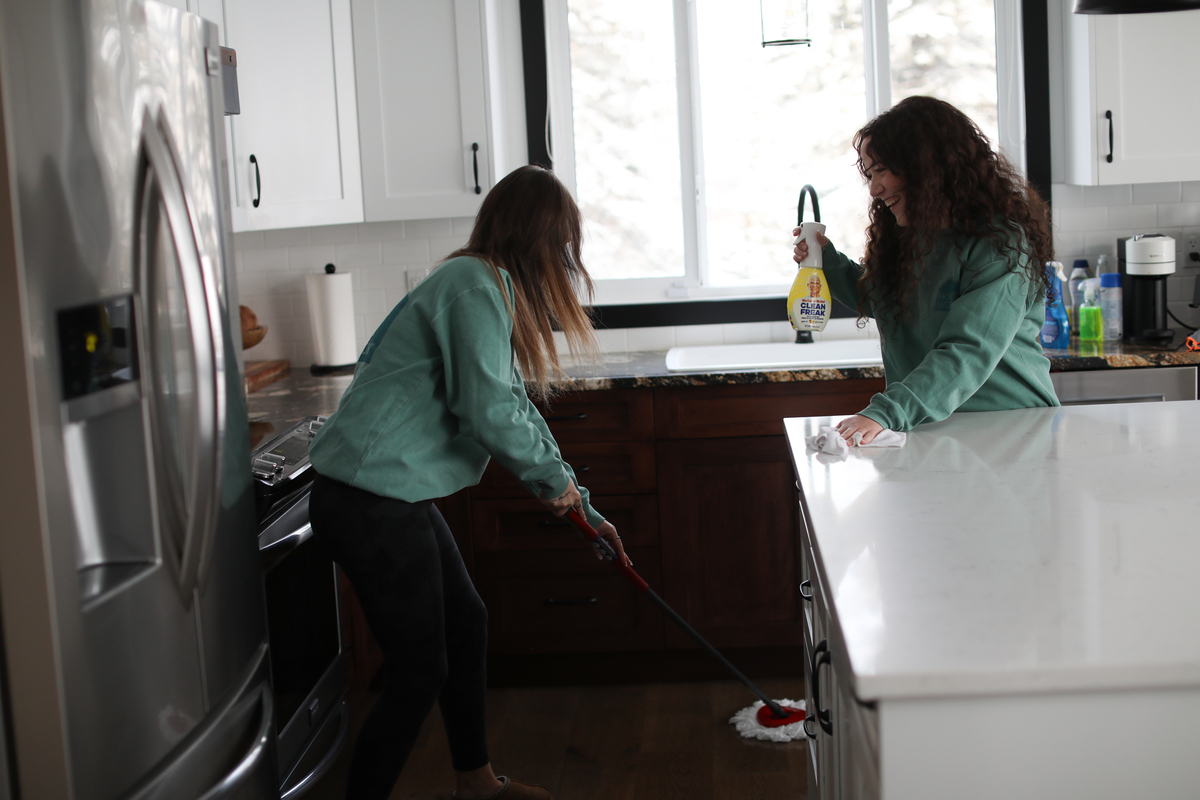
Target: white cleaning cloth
x,y
746,722
830,441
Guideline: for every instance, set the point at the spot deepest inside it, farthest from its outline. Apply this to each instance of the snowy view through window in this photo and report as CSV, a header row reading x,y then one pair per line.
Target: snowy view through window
x,y
772,120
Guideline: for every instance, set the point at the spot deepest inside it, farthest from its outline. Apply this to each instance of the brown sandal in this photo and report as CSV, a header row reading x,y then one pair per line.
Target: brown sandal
x,y
511,790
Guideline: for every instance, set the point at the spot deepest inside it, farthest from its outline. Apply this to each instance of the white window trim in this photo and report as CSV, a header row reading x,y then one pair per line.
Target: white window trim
x,y
1010,84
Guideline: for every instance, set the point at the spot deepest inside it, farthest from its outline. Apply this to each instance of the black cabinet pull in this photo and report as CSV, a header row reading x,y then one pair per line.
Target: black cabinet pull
x,y
1108,116
586,601
584,468
257,181
821,656
475,165
567,417
806,595
810,733
554,523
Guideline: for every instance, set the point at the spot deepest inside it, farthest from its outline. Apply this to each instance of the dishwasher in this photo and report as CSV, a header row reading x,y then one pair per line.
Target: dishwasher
x,y
304,623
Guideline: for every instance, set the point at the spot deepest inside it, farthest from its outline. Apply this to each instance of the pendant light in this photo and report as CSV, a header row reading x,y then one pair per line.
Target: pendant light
x,y
784,22
1133,6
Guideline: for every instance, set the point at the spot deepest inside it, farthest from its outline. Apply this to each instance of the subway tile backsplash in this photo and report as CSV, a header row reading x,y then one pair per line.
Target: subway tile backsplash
x,y
388,258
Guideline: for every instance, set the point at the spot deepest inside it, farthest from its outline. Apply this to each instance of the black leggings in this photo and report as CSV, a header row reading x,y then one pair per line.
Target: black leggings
x,y
428,620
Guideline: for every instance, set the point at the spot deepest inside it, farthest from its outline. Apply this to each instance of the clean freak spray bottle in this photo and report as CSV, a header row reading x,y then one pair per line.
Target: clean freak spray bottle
x,y
809,303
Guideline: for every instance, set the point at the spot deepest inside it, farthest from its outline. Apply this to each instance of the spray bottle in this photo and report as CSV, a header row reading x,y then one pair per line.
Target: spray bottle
x,y
1056,332
809,302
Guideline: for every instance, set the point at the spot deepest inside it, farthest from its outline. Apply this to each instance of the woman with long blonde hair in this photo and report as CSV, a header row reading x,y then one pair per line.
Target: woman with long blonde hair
x,y
439,390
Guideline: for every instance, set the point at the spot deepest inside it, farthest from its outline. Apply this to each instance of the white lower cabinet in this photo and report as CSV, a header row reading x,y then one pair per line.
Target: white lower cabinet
x,y
843,733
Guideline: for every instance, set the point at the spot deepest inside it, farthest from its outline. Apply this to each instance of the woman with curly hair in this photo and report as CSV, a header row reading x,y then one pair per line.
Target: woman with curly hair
x,y
953,273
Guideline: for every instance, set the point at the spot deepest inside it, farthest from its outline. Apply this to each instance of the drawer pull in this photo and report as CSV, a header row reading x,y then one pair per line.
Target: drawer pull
x,y
567,417
554,523
807,595
579,470
586,601
821,655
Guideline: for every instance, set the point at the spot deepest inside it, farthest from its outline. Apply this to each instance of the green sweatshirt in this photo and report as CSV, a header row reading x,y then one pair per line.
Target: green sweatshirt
x,y
436,393
969,343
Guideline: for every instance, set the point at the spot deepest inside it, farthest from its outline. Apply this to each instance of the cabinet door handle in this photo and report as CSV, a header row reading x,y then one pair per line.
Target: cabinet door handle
x,y
554,523
810,733
806,585
585,601
584,468
1108,116
567,417
257,182
475,165
821,656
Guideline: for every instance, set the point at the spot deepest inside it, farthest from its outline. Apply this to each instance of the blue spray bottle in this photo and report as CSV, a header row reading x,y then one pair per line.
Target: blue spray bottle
x,y
1056,332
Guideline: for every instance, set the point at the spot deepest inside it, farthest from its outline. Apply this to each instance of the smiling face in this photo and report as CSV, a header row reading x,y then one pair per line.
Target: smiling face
x,y
884,184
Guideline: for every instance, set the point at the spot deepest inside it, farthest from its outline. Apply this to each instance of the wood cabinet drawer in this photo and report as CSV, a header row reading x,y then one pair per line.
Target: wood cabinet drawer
x,y
567,602
610,415
604,468
705,412
523,524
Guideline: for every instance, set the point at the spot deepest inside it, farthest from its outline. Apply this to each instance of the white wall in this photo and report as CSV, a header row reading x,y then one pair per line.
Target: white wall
x,y
1088,220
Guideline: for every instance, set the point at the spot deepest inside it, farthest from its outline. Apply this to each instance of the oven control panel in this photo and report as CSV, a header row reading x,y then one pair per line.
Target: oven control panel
x,y
285,458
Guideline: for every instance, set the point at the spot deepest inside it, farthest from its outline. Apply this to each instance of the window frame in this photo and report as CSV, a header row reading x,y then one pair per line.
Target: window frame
x,y
1016,21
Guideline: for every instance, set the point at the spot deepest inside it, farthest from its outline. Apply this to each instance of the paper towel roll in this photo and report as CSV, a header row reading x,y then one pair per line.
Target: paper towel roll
x,y
331,304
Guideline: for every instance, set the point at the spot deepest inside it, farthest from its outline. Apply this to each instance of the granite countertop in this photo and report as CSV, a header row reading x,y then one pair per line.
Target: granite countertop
x,y
1032,550
300,394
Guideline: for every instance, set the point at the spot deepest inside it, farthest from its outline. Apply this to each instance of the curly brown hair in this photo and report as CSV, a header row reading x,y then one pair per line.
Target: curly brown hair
x,y
952,178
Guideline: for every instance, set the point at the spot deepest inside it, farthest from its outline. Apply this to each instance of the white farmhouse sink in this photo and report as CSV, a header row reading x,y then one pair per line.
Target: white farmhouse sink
x,y
776,355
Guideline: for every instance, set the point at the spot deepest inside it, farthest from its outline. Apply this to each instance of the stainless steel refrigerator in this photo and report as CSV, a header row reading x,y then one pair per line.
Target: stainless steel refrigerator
x,y
134,661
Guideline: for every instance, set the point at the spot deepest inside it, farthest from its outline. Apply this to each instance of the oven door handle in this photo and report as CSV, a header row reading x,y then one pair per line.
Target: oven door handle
x,y
291,530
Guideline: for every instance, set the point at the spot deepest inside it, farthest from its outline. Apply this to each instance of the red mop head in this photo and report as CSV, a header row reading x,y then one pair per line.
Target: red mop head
x,y
767,718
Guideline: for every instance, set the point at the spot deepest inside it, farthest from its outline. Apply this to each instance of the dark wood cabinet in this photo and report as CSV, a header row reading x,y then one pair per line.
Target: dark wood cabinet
x,y
729,513
699,481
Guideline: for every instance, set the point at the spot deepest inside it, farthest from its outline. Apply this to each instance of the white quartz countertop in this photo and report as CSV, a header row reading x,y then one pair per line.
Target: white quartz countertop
x,y
1007,552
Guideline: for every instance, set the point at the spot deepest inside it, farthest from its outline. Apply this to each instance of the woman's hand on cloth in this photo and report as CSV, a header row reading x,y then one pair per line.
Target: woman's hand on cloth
x,y
858,425
800,251
609,534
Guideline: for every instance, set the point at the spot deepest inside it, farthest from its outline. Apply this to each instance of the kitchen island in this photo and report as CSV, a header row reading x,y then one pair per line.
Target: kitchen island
x,y
1006,606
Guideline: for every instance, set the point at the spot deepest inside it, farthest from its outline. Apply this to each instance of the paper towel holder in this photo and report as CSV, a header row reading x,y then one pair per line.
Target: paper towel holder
x,y
329,369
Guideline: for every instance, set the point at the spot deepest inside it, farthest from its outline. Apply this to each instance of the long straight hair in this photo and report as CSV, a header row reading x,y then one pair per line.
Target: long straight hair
x,y
530,227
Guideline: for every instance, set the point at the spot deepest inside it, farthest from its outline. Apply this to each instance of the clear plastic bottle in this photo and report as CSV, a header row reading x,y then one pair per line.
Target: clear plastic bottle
x,y
1111,306
1091,320
1079,273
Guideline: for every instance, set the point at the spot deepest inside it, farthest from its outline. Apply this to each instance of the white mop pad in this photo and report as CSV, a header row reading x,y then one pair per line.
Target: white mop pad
x,y
828,440
746,722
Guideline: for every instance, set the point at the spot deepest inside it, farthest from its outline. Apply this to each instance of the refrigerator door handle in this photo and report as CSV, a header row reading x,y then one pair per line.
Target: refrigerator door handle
x,y
202,308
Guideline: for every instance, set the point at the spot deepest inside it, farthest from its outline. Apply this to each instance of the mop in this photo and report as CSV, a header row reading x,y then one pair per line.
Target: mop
x,y
769,720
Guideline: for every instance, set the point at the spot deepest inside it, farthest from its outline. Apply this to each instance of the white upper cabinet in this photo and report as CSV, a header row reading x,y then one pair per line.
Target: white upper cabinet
x,y
293,151
1120,96
423,108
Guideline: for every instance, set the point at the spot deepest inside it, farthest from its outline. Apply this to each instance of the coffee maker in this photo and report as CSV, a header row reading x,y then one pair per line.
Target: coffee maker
x,y
1146,260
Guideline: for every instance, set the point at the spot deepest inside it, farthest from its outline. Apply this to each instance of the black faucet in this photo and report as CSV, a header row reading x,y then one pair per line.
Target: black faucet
x,y
806,337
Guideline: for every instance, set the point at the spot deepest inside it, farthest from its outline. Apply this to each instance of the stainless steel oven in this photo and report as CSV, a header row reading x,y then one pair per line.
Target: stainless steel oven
x,y
307,646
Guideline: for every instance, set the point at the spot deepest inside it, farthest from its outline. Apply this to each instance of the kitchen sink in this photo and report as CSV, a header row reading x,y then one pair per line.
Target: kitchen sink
x,y
828,354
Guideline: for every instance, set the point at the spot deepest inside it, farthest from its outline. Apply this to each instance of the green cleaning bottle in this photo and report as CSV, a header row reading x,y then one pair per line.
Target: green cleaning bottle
x,y
1091,320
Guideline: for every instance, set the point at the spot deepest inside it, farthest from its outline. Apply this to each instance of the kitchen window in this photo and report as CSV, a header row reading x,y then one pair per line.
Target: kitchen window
x,y
686,141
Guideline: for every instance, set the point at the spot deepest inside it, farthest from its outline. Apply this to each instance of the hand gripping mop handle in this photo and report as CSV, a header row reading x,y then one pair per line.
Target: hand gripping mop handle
x,y
591,535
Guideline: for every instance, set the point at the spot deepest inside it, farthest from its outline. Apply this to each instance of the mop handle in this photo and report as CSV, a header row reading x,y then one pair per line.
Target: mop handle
x,y
590,533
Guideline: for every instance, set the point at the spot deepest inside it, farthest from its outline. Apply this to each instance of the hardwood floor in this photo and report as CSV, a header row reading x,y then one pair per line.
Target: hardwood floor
x,y
637,742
